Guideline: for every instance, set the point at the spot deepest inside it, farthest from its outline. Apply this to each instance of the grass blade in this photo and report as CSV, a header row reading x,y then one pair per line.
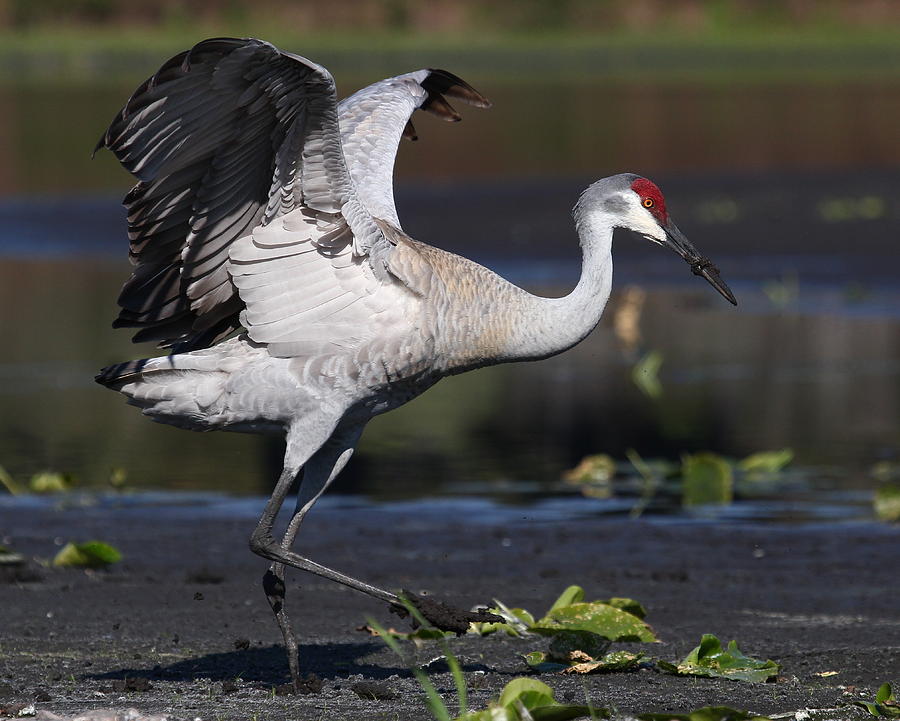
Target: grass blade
x,y
433,698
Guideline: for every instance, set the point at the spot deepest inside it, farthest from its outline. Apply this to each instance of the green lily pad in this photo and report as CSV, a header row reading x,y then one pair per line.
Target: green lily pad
x,y
766,461
597,617
597,470
93,554
710,659
709,713
885,704
706,479
887,502
50,482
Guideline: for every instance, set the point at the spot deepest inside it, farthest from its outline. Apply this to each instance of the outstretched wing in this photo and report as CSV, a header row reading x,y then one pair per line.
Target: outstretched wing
x,y
217,138
375,118
225,139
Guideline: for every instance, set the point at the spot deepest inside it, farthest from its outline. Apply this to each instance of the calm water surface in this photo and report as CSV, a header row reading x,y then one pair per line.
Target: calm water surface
x,y
791,190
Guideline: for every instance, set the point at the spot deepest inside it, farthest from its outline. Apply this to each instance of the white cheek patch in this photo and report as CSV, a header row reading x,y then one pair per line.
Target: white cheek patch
x,y
641,221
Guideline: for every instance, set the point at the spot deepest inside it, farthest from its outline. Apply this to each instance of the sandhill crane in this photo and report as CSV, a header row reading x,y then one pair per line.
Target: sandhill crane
x,y
269,257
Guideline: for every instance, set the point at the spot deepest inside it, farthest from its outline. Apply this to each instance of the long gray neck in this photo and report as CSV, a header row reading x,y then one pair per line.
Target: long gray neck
x,y
548,326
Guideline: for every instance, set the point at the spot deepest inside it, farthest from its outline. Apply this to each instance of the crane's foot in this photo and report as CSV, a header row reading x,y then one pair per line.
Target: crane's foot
x,y
442,616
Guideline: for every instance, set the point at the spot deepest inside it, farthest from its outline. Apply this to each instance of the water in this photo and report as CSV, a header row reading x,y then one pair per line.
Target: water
x,y
801,217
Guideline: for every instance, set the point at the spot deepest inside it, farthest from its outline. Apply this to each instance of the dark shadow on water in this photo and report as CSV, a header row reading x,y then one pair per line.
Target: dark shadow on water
x,y
268,665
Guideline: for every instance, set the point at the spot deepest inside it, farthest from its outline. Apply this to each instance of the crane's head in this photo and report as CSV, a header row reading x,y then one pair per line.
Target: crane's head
x,y
638,204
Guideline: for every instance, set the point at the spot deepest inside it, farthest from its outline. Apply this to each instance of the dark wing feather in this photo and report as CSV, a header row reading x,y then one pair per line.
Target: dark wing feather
x,y
214,138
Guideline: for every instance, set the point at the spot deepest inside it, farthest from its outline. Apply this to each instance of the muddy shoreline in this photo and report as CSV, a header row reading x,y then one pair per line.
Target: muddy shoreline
x,y
181,626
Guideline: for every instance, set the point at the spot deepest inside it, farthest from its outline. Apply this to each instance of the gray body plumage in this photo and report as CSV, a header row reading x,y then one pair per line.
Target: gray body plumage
x,y
265,208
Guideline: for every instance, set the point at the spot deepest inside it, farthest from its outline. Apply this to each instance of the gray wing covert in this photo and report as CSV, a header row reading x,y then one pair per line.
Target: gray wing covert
x,y
374,119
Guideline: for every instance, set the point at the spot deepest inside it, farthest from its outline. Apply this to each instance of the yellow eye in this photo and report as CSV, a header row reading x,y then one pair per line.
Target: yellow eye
x,y
648,202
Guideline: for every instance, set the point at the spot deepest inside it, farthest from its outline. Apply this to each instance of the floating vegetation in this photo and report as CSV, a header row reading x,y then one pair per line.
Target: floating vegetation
x,y
50,482
700,479
717,210
782,292
706,478
710,659
886,502
93,554
885,705
851,208
886,471
645,374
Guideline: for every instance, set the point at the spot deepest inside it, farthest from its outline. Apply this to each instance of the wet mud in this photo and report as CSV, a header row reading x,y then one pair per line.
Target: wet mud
x,y
181,625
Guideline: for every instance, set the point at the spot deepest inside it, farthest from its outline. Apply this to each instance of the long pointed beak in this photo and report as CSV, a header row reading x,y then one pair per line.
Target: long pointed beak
x,y
699,265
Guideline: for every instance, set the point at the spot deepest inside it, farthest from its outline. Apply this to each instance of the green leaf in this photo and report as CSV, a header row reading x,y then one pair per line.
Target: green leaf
x,y
50,482
518,621
529,691
887,502
766,461
432,697
629,605
706,478
573,594
710,659
572,646
539,661
118,477
93,554
596,617
885,705
597,469
645,374
708,713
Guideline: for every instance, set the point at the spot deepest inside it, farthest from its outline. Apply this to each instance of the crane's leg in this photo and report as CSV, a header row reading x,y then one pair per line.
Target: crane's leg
x,y
301,449
315,477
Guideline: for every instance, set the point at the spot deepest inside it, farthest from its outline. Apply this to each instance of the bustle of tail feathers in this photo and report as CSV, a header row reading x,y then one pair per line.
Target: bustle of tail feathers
x,y
184,390
117,375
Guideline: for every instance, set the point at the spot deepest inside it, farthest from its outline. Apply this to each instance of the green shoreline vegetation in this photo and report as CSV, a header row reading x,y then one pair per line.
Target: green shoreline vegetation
x,y
72,53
